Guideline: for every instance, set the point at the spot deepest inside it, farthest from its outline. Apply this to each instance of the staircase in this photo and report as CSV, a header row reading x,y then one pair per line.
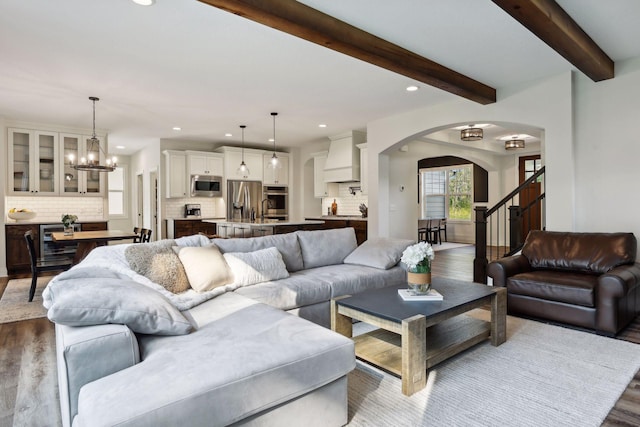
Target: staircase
x,y
500,230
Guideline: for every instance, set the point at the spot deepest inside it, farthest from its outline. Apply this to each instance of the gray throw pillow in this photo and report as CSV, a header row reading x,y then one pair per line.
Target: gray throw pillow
x,y
83,302
159,263
249,268
381,252
326,247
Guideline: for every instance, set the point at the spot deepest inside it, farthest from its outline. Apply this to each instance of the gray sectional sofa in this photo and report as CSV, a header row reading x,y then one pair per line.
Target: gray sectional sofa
x,y
130,353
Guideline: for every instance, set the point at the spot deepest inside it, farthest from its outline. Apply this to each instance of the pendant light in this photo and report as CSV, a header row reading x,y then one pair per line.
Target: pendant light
x,y
471,134
90,163
274,163
243,170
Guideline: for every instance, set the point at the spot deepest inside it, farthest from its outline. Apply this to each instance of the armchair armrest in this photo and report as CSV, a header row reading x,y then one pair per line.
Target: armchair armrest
x,y
619,282
503,268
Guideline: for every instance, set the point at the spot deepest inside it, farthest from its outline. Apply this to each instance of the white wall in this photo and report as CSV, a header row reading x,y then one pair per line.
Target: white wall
x,y
3,205
546,104
143,162
403,173
608,151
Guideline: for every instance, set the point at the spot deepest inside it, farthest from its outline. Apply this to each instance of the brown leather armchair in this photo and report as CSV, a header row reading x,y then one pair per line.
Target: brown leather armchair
x,y
590,280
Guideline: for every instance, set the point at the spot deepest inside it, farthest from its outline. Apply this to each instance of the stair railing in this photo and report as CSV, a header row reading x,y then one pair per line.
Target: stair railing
x,y
499,230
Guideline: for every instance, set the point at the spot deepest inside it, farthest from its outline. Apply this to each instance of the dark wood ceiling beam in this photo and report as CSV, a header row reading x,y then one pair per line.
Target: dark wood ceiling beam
x,y
312,25
547,20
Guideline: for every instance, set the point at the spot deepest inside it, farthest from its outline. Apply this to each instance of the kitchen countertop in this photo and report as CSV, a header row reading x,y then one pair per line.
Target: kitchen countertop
x,y
196,219
266,222
338,218
38,222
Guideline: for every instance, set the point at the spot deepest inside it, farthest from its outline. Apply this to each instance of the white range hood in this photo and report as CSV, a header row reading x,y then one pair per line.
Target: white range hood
x,y
343,160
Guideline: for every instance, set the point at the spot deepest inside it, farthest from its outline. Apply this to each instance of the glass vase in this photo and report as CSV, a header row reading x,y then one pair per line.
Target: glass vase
x,y
419,283
68,230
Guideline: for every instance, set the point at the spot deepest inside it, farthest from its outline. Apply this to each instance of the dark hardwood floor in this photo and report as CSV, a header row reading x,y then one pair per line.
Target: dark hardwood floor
x,y
27,360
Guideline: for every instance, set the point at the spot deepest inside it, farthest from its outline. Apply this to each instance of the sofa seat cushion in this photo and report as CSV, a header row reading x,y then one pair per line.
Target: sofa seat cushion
x,y
567,287
243,363
297,290
347,279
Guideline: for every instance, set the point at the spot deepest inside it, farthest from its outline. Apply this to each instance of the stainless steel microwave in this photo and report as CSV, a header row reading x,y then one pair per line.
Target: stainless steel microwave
x,y
206,186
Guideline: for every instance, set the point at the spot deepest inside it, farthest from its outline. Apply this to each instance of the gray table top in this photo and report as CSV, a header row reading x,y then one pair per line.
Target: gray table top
x,y
387,304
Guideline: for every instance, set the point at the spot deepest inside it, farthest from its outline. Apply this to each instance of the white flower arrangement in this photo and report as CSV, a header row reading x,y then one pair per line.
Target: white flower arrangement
x,y
417,258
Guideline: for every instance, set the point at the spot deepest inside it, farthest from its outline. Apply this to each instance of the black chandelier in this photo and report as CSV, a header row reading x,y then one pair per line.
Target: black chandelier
x,y
90,163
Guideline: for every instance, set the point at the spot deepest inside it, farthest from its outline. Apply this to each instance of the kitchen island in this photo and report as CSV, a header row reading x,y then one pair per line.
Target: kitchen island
x,y
257,228
341,221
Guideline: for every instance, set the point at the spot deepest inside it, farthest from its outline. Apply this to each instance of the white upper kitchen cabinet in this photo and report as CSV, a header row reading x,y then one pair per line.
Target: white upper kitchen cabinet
x,y
74,147
203,163
233,158
321,188
364,168
32,162
176,173
276,176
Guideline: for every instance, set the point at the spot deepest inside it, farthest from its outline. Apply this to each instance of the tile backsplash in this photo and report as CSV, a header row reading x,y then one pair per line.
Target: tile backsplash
x,y
348,204
52,208
213,207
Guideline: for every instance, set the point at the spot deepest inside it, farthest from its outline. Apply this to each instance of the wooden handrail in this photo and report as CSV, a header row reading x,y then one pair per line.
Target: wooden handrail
x,y
516,191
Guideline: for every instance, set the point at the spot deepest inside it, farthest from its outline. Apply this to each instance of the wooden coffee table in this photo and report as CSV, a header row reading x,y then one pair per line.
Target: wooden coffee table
x,y
416,335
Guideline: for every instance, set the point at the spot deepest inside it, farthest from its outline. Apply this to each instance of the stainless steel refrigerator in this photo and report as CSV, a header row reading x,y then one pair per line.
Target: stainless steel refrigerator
x,y
244,200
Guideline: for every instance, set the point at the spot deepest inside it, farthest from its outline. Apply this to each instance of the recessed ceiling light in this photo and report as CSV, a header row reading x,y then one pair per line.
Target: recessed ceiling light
x,y
322,125
412,88
120,147
228,134
144,2
270,139
176,128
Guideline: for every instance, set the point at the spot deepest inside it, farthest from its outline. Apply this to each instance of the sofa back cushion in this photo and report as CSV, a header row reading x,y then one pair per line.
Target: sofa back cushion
x,y
287,244
326,247
594,253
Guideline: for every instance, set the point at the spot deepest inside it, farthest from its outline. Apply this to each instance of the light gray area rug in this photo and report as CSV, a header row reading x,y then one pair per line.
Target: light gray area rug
x,y
14,304
542,376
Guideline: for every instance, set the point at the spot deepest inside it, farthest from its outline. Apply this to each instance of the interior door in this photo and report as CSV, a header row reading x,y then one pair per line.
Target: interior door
x,y
140,193
528,166
153,176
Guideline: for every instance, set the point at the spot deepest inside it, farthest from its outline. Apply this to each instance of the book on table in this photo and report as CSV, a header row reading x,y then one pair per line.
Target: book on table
x,y
432,295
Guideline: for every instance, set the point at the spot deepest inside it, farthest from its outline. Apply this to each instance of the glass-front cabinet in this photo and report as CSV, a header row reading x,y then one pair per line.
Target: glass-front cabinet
x,y
74,182
33,162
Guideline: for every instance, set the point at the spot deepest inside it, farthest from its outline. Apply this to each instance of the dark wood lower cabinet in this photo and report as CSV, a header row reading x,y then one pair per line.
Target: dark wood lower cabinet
x,y
189,227
17,259
360,227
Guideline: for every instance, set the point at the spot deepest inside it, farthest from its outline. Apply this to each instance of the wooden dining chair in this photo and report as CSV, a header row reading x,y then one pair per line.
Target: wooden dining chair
x,y
145,235
38,265
138,231
423,227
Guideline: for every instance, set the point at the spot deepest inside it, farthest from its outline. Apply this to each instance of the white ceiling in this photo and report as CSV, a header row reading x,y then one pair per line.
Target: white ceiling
x,y
184,63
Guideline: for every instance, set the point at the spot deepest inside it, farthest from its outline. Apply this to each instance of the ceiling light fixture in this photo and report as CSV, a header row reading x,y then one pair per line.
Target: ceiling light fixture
x,y
412,88
513,144
90,163
471,134
322,125
228,135
275,162
243,170
177,128
144,2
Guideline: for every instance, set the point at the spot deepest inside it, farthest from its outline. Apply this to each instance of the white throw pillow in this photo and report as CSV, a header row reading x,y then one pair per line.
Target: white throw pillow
x,y
249,268
205,267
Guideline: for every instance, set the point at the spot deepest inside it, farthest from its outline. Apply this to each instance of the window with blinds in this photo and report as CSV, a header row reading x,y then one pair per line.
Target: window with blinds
x,y
447,192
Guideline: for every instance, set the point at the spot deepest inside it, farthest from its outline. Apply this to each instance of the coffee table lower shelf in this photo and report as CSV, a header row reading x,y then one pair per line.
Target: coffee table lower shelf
x,y
383,348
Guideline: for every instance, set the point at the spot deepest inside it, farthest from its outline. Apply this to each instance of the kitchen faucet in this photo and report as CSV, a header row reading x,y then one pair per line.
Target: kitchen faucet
x,y
262,205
